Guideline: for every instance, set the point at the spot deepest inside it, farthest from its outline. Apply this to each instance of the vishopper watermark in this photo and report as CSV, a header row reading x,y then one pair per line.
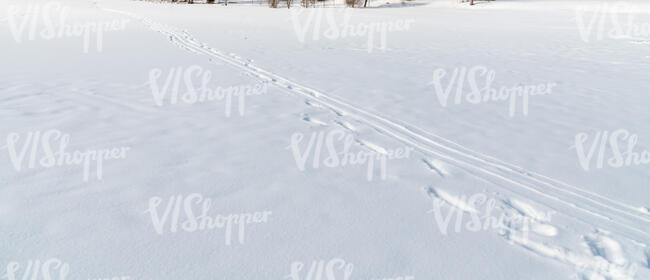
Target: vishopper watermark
x,y
49,269
613,20
45,142
507,222
50,21
486,91
620,143
201,94
339,26
332,269
194,210
343,156
52,268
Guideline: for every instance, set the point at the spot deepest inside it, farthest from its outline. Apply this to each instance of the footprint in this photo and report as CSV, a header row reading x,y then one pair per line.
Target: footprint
x,y
372,146
458,202
338,113
309,119
308,102
607,248
544,229
346,125
436,166
530,211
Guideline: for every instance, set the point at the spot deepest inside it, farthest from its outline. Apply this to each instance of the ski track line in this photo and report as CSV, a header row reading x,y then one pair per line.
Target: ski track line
x,y
500,165
186,42
529,174
314,95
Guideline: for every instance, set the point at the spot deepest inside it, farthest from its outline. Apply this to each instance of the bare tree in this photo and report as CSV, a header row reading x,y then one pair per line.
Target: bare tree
x,y
307,3
355,3
471,2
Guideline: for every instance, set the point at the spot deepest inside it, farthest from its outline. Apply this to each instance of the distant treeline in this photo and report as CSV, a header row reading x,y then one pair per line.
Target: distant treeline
x,y
272,3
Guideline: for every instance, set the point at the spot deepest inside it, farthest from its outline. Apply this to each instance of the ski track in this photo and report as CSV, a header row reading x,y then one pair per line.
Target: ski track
x,y
408,134
607,258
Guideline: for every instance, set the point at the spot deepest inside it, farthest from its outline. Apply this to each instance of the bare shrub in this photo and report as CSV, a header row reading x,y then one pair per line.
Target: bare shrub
x,y
352,3
307,3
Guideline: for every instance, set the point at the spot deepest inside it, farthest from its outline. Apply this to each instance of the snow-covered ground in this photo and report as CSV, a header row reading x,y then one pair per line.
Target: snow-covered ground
x,y
243,142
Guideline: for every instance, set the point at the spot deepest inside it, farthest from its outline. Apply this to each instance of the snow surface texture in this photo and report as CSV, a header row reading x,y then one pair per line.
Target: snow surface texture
x,y
456,189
